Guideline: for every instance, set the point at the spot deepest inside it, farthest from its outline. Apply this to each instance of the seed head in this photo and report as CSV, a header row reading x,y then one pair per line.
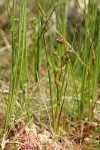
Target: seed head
x,y
60,41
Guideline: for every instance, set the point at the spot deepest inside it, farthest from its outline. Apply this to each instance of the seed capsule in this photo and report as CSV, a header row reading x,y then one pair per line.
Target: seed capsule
x,y
60,41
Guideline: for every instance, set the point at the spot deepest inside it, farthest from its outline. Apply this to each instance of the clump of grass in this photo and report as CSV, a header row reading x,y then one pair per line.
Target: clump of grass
x,y
59,65
19,72
90,54
63,61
